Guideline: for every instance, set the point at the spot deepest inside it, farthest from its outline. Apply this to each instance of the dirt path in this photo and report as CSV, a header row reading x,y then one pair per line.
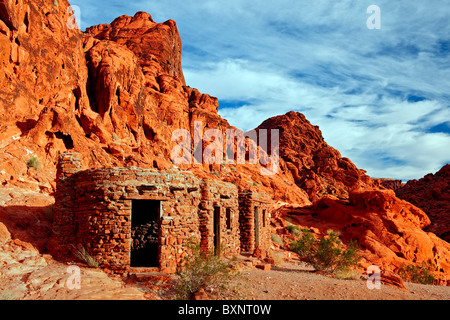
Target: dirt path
x,y
33,278
25,274
298,282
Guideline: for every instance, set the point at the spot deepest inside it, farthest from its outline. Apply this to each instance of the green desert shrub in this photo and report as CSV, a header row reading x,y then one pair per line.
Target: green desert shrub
x,y
422,273
326,254
276,239
34,162
202,270
295,230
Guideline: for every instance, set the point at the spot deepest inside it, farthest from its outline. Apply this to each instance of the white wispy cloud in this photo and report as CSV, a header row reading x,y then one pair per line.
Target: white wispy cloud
x,y
374,93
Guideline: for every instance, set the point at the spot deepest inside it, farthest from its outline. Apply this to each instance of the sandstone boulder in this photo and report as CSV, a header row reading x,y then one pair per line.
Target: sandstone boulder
x,y
432,194
4,233
389,231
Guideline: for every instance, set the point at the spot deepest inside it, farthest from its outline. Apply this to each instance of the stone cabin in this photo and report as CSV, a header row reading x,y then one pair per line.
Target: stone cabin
x,y
142,219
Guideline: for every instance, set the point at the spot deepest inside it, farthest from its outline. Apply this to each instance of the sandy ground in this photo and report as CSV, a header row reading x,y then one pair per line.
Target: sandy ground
x,y
299,282
29,276
25,274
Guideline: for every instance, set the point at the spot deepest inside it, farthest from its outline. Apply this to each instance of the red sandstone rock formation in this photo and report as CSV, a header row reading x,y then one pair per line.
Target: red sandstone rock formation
x,y
157,45
391,184
42,76
116,93
5,235
432,194
315,166
64,90
388,229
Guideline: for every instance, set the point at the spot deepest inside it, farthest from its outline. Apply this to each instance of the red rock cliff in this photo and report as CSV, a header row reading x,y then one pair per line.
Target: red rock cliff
x,y
115,94
432,194
315,166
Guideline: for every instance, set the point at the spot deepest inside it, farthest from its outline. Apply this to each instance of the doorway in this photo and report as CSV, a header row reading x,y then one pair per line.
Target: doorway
x,y
145,224
217,231
256,217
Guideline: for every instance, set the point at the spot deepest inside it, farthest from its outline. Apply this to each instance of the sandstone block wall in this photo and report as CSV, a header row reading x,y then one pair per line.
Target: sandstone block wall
x,y
254,220
224,198
104,207
64,225
94,209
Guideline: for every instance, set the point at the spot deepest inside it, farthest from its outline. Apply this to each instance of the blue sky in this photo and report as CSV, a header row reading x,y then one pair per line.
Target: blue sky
x,y
381,97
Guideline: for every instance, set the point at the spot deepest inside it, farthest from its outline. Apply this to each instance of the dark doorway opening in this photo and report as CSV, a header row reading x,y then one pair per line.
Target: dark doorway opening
x,y
256,213
145,223
216,231
228,216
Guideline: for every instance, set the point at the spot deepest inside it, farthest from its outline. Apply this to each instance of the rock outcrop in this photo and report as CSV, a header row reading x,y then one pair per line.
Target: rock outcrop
x,y
43,78
432,194
392,184
116,94
315,166
387,229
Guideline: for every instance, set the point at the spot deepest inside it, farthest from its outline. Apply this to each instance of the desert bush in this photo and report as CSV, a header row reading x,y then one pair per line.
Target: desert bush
x,y
294,230
278,258
305,247
34,162
422,273
82,254
202,270
276,239
347,274
326,254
